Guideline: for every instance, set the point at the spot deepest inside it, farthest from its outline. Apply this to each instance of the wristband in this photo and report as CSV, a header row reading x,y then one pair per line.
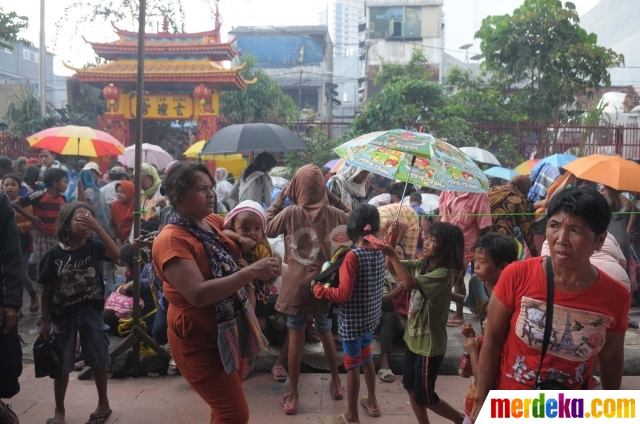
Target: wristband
x,y
45,318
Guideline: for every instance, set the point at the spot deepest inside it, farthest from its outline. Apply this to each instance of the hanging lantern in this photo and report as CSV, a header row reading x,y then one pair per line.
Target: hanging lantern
x,y
112,95
203,93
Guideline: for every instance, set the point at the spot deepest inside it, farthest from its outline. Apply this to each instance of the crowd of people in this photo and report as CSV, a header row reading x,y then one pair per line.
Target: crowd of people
x,y
234,265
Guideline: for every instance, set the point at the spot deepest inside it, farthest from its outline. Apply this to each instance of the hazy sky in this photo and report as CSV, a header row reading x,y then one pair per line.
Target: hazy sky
x,y
462,19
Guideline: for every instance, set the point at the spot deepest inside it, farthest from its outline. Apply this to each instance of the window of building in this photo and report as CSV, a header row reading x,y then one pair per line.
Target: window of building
x,y
395,22
7,50
30,55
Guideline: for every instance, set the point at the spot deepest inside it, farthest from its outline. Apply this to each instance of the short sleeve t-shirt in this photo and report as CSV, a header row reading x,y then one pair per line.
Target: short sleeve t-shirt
x,y
45,207
581,322
426,332
75,277
175,242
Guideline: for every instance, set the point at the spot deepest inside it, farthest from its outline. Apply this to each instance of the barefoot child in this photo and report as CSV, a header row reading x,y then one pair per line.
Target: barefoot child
x,y
360,293
246,225
472,347
72,301
431,278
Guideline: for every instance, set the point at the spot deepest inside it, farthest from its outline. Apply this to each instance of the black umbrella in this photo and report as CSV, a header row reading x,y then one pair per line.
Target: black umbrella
x,y
253,138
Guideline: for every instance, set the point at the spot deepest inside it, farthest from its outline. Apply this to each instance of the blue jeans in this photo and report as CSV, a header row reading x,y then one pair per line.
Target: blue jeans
x,y
160,327
299,322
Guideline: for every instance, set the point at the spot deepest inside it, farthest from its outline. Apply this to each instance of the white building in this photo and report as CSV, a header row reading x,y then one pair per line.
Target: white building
x,y
617,25
343,17
396,27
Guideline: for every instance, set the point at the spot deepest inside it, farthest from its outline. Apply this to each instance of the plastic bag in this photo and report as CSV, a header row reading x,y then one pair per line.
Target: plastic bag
x,y
47,358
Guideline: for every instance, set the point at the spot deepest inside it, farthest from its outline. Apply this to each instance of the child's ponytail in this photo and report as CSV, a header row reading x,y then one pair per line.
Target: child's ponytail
x,y
364,220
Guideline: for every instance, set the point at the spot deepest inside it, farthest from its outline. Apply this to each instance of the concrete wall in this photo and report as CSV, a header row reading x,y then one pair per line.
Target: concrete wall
x,y
7,92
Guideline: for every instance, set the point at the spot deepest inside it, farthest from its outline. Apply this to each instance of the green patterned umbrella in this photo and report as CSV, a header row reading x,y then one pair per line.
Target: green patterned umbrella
x,y
416,158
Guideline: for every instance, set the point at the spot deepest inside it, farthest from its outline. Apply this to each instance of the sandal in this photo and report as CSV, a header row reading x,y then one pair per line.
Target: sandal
x,y
34,307
279,373
99,418
386,375
7,415
173,368
373,412
339,395
454,322
632,323
330,420
288,409
247,372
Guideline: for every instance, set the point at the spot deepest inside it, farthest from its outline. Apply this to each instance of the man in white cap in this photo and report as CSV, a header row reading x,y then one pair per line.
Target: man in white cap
x,y
95,170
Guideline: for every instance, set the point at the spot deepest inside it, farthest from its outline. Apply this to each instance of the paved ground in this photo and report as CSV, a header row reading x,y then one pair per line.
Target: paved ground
x,y
170,400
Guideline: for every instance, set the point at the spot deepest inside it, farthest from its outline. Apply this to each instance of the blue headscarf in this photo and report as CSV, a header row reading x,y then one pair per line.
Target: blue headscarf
x,y
86,177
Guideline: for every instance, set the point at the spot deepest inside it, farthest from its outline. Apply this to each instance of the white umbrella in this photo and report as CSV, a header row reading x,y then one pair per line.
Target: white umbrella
x,y
480,155
151,154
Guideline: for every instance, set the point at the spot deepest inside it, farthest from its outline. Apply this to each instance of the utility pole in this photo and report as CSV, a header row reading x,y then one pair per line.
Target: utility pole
x,y
300,91
43,59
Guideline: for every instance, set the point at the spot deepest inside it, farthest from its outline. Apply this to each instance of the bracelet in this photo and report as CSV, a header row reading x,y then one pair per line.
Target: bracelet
x,y
45,318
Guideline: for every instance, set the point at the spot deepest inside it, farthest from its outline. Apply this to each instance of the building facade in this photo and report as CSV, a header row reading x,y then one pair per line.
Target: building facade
x,y
21,66
396,27
617,25
298,58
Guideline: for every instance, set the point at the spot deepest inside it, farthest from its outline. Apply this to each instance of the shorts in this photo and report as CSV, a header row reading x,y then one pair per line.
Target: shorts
x,y
357,352
419,374
265,310
94,339
299,322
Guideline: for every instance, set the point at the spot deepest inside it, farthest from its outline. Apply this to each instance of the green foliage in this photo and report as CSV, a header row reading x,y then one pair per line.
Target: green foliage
x,y
543,47
408,97
320,151
84,113
260,101
23,114
11,25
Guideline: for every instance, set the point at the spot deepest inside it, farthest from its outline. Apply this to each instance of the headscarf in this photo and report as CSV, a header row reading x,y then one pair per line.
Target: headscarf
x,y
86,178
122,212
348,191
223,174
150,171
522,183
307,190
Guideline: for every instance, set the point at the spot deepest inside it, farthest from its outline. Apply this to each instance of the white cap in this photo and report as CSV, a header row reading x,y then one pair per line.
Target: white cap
x,y
91,166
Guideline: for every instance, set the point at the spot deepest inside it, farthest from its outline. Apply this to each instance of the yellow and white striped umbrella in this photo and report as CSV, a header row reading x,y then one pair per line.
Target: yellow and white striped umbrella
x,y
76,141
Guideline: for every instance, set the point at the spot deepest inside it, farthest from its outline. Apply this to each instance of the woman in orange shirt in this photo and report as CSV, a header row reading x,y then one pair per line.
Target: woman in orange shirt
x,y
211,326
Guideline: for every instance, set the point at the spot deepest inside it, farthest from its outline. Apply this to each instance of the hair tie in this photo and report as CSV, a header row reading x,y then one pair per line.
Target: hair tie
x,y
367,227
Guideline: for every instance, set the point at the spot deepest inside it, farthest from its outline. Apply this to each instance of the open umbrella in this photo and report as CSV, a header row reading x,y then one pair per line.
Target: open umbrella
x,y
500,172
558,160
613,171
151,154
76,141
234,163
253,138
525,167
480,155
417,158
331,164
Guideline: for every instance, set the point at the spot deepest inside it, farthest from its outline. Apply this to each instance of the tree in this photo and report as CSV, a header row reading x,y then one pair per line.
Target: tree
x,y
320,151
23,114
407,98
11,25
543,47
261,101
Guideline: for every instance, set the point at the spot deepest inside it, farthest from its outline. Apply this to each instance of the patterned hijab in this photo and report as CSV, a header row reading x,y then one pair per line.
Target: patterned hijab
x,y
239,334
150,171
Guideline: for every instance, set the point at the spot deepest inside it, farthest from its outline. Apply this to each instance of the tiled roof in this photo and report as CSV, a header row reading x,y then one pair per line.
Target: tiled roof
x,y
191,71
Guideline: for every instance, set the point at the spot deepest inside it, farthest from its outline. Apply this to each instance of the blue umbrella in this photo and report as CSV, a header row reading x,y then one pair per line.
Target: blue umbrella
x,y
500,172
558,160
331,163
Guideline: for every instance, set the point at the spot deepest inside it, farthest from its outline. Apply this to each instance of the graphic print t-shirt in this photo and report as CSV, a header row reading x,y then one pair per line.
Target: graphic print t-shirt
x,y
75,277
581,322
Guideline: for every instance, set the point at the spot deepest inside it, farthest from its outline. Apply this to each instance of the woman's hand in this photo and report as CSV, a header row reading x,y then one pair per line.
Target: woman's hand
x,y
45,329
36,221
246,243
265,269
124,288
88,221
282,196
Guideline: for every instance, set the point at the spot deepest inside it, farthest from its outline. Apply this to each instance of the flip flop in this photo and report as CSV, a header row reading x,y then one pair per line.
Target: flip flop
x,y
373,412
339,395
330,420
172,369
279,373
99,418
386,375
288,409
454,322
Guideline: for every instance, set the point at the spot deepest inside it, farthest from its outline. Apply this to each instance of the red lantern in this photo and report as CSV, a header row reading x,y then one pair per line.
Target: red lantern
x,y
112,94
203,93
